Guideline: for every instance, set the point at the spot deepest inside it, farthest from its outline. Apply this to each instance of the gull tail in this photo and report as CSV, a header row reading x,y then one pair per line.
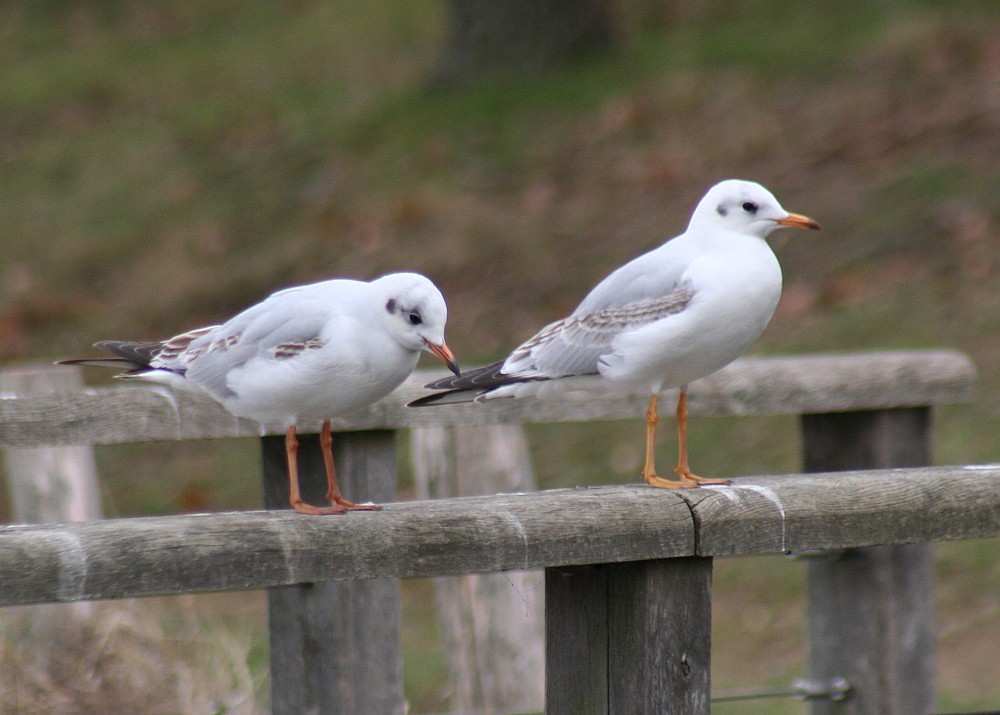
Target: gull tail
x,y
470,386
132,358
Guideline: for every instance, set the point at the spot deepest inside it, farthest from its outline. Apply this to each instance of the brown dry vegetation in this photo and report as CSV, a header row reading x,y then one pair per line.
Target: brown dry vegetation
x,y
156,657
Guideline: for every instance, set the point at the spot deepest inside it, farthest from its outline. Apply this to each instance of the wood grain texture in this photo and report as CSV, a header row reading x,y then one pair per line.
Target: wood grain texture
x,y
845,510
211,552
776,385
206,552
870,615
870,611
660,633
576,640
49,484
629,639
335,646
492,625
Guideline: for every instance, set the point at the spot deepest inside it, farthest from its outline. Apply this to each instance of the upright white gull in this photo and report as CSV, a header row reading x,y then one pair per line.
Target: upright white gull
x,y
664,319
302,356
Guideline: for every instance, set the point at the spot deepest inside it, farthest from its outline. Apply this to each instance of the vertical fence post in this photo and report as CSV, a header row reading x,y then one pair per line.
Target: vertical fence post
x,y
335,646
629,639
49,484
871,611
492,624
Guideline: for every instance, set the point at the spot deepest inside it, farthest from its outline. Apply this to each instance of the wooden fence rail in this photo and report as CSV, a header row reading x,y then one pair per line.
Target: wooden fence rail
x,y
149,556
751,386
627,569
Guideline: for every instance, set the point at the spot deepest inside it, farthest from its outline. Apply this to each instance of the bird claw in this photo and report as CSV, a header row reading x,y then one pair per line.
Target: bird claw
x,y
337,506
684,473
351,506
685,480
659,482
701,480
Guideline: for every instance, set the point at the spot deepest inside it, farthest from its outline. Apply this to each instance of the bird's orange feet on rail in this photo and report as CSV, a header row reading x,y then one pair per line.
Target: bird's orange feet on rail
x,y
338,505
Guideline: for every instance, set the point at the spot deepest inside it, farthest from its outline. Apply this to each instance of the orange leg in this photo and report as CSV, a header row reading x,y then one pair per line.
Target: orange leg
x,y
332,490
294,494
683,469
649,469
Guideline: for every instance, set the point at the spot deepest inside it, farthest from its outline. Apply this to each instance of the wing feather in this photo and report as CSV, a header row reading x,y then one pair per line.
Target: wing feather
x,y
572,346
575,345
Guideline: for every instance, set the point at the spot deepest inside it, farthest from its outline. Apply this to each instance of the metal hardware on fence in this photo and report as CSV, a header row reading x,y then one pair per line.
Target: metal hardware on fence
x,y
836,689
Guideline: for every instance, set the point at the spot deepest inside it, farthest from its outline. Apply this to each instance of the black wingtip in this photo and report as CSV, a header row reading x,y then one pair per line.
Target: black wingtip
x,y
423,401
436,398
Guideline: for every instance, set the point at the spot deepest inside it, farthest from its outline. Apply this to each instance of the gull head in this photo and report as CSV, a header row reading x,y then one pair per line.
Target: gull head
x,y
415,314
744,207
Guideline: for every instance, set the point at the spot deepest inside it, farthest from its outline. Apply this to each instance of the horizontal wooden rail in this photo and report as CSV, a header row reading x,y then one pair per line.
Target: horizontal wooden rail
x,y
775,385
249,550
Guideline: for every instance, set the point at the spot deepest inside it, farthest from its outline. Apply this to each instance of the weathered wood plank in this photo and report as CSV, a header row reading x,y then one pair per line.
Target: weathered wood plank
x,y
211,552
492,625
870,611
660,633
846,509
870,616
335,646
776,385
628,639
49,484
576,640
206,552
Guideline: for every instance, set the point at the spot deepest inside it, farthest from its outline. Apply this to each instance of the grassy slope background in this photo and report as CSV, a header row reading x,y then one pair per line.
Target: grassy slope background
x,y
162,167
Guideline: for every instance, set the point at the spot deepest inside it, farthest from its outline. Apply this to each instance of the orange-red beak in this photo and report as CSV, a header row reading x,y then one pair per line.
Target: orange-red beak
x,y
443,353
798,221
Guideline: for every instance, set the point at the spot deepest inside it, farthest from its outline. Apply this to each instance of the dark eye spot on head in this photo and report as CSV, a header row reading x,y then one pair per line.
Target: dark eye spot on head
x,y
414,318
721,210
390,307
750,207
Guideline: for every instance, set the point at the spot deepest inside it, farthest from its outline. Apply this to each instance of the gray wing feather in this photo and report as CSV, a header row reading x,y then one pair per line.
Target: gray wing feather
x,y
647,288
574,346
266,327
651,276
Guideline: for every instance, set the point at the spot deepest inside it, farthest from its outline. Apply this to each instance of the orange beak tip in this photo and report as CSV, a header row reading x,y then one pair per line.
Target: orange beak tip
x,y
798,221
443,353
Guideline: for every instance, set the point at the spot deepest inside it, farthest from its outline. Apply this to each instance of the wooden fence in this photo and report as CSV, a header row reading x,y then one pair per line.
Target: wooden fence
x,y
627,569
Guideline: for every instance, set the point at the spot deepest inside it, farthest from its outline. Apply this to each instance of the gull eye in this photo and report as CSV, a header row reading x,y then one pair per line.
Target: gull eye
x,y
750,207
414,318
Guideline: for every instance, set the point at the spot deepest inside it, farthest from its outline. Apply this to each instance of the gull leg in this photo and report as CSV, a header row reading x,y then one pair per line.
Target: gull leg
x,y
683,469
649,469
332,490
294,495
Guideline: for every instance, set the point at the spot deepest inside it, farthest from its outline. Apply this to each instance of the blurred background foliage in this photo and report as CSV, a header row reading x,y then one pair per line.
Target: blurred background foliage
x,y
163,165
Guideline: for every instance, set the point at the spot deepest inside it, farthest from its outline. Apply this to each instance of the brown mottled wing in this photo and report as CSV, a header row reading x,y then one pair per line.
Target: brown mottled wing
x,y
571,346
574,346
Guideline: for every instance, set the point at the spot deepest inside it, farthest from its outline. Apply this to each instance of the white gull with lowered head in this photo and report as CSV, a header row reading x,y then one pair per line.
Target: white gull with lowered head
x,y
302,356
